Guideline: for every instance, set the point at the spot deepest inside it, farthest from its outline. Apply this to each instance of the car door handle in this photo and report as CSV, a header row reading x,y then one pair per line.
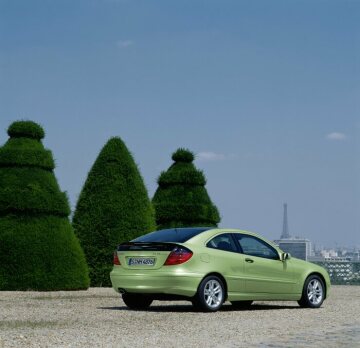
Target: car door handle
x,y
249,260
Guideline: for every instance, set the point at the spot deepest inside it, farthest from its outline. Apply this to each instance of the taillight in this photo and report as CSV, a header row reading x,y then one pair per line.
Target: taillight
x,y
116,259
177,256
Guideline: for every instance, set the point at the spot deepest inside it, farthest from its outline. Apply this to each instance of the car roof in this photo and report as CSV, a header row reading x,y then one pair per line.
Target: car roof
x,y
213,231
193,235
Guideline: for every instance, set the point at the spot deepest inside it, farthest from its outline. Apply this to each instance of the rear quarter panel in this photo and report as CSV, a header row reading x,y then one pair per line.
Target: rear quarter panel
x,y
230,265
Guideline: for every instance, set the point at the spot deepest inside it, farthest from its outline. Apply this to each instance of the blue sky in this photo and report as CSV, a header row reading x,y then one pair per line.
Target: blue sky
x,y
265,92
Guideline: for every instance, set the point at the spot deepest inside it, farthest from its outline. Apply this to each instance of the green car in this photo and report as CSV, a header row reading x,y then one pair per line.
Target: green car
x,y
208,266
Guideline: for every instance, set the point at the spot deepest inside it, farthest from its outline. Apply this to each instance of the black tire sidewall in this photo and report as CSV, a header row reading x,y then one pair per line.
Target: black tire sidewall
x,y
305,302
199,301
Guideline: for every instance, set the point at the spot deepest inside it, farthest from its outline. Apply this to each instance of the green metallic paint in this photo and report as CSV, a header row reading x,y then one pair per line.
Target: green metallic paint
x,y
263,279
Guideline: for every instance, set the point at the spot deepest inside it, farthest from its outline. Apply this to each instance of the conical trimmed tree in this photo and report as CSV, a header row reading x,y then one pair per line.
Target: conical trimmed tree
x,y
38,248
113,207
181,199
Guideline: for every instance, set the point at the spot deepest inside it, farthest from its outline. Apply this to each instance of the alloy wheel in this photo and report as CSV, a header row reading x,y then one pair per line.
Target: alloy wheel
x,y
213,293
315,292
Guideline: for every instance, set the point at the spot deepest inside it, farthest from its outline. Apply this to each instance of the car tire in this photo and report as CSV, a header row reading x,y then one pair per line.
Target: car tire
x,y
313,293
241,304
210,295
137,301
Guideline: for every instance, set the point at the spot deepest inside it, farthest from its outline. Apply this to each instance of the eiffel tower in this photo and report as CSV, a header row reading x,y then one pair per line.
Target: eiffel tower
x,y
285,232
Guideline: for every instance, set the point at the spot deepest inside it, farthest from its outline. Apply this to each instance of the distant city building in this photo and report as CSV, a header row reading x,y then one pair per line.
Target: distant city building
x,y
342,264
341,254
327,254
297,247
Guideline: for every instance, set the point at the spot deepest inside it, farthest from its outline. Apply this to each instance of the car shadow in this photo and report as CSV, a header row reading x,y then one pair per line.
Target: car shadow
x,y
171,308
189,308
261,307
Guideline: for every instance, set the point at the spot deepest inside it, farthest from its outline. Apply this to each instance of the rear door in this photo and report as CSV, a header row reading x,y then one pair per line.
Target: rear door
x,y
264,271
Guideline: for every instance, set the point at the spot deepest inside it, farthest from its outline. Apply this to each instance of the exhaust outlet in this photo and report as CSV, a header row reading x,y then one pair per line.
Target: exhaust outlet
x,y
121,290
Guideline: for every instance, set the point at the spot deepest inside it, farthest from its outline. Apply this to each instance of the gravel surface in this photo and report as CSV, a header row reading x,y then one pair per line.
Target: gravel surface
x,y
99,318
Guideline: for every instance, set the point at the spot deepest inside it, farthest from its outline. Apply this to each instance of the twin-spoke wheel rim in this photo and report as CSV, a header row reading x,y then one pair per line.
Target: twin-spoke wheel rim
x,y
315,291
213,293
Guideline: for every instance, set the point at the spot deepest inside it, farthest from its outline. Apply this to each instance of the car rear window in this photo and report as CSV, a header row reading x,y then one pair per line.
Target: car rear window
x,y
174,235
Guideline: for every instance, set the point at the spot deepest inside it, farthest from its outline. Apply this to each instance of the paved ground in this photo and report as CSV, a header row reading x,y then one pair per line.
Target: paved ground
x,y
98,318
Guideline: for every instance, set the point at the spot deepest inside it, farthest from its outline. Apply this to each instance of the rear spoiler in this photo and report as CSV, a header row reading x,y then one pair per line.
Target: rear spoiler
x,y
152,246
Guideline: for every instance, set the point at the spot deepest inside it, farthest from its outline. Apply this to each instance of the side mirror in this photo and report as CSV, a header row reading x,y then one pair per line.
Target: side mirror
x,y
285,256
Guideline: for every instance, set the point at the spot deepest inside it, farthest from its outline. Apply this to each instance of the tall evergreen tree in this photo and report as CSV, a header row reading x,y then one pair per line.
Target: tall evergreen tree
x,y
113,207
181,199
38,248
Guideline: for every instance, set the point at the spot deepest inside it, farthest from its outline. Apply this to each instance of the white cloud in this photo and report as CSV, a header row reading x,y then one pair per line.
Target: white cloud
x,y
211,156
124,43
336,136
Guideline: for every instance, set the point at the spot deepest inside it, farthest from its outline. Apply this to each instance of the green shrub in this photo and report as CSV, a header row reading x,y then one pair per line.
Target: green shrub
x,y
113,207
38,248
26,152
26,129
181,199
183,155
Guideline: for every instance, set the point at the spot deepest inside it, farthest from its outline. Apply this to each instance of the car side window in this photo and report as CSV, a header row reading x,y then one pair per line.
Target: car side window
x,y
256,247
222,242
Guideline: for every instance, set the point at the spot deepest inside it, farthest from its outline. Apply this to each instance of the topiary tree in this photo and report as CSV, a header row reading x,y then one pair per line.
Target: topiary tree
x,y
113,207
38,248
181,199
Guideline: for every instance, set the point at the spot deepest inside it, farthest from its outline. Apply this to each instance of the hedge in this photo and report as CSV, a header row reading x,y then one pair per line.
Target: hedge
x,y
38,248
113,207
181,199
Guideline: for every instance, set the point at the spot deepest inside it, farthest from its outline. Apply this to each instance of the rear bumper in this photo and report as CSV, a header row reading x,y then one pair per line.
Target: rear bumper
x,y
155,282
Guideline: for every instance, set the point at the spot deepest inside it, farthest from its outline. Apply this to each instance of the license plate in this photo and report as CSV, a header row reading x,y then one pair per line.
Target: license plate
x,y
141,261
